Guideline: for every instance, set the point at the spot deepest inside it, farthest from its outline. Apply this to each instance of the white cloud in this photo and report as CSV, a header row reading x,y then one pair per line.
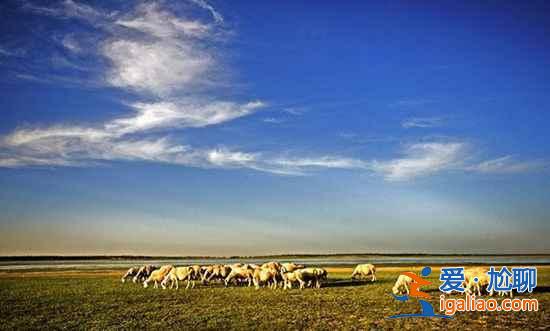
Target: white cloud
x,y
151,19
67,9
79,146
71,43
295,110
38,135
74,146
224,157
421,159
80,10
320,162
158,67
422,122
171,57
273,120
506,165
11,52
168,57
203,4
156,54
184,113
160,150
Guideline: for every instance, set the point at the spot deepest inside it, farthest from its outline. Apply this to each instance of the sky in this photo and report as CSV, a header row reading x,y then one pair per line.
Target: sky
x,y
266,127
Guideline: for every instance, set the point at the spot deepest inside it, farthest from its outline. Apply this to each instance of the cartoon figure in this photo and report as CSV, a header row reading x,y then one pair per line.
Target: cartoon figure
x,y
427,309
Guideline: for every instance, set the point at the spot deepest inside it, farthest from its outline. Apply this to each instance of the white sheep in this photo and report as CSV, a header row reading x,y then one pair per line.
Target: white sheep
x,y
157,276
364,270
402,285
177,274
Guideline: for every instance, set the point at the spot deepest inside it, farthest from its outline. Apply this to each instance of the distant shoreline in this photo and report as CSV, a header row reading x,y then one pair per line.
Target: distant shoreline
x,y
274,256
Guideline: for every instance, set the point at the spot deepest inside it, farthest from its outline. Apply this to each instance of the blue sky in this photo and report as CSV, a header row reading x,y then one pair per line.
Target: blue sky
x,y
223,128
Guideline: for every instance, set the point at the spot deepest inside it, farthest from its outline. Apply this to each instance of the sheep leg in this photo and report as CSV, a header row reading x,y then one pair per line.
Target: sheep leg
x,y
226,281
302,283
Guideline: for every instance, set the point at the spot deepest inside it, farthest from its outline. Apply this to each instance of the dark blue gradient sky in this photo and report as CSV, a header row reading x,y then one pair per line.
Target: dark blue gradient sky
x,y
254,127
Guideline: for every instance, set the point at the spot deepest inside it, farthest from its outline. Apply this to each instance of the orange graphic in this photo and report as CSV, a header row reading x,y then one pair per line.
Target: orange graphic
x,y
417,282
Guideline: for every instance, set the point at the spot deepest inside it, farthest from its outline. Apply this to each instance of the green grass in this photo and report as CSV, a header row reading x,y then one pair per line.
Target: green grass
x,y
101,301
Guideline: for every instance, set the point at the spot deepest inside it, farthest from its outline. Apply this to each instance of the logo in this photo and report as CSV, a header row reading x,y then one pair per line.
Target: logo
x,y
471,282
415,282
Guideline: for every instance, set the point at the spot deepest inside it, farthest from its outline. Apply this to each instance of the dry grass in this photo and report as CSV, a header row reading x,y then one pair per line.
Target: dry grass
x,y
97,300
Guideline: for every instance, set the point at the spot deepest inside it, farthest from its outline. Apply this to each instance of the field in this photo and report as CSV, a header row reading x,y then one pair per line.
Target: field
x,y
98,300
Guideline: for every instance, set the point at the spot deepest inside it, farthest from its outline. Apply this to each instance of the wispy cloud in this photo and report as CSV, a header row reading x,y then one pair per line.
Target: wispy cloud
x,y
71,43
11,52
320,162
422,159
410,103
273,120
181,114
507,165
76,146
422,122
215,14
295,110
151,19
152,53
161,58
67,9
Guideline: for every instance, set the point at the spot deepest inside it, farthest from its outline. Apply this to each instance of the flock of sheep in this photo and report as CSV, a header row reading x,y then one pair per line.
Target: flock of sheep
x,y
270,274
274,275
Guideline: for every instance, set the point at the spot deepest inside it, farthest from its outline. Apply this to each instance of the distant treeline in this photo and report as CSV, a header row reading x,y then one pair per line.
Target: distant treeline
x,y
274,256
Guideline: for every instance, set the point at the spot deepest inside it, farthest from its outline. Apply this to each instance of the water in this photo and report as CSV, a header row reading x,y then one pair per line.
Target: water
x,y
321,261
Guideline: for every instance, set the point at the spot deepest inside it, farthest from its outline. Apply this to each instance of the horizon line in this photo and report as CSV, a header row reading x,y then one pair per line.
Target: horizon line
x,y
296,255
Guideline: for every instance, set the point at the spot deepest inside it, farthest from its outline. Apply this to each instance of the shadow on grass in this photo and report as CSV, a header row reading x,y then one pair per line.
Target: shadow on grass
x,y
352,282
542,289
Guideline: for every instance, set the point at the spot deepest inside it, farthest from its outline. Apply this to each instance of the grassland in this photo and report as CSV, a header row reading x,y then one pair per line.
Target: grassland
x,y
98,300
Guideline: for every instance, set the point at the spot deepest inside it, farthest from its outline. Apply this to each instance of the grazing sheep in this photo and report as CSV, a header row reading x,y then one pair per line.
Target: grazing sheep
x,y
402,285
157,276
197,272
243,274
266,276
177,274
290,267
144,272
364,270
471,286
276,267
205,272
271,265
218,272
289,277
310,276
129,274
